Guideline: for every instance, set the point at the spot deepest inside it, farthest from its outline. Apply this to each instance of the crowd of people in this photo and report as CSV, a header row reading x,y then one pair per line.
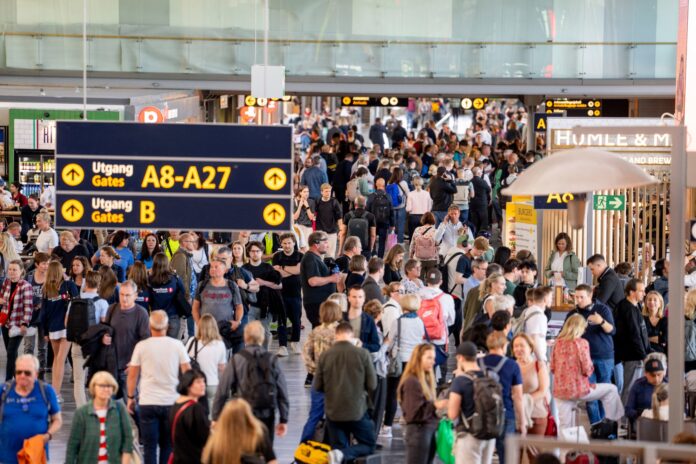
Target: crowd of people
x,y
413,307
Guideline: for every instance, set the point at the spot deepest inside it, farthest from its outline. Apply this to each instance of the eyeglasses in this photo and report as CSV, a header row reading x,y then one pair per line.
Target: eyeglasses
x,y
22,372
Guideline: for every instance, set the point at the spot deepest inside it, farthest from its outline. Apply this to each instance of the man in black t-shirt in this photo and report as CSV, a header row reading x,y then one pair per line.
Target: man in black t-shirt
x,y
461,403
329,215
318,281
287,263
269,282
351,247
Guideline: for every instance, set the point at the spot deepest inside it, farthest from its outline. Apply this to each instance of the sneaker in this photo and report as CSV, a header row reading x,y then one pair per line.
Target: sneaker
x,y
295,348
386,432
282,352
308,381
335,456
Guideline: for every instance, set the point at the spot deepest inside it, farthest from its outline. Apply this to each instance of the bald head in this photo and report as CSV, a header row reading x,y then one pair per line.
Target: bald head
x,y
379,184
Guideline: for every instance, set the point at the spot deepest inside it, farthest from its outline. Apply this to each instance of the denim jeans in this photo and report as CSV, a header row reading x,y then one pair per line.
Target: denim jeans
x,y
30,342
12,347
399,221
293,310
255,315
439,217
602,374
174,326
155,431
316,414
420,443
463,215
500,441
363,434
382,232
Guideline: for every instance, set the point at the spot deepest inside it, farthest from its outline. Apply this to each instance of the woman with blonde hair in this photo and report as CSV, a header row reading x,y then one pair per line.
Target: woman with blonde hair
x,y
689,321
320,339
250,443
100,428
659,408
239,254
572,366
405,334
418,399
341,299
207,348
493,286
7,251
57,294
655,322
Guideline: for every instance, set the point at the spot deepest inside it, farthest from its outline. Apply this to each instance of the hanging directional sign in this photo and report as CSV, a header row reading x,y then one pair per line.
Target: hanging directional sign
x,y
553,201
609,202
173,176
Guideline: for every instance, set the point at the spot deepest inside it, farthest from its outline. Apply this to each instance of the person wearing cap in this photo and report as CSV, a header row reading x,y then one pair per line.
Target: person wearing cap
x,y
467,448
432,291
442,190
640,394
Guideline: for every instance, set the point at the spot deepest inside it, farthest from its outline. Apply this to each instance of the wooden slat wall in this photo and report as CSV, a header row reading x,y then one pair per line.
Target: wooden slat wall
x,y
618,235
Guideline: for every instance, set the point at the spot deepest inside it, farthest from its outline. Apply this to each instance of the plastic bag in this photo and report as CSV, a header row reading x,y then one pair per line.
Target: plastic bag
x,y
391,241
444,439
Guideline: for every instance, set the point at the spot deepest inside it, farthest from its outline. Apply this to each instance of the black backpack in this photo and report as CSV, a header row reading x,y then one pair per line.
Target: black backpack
x,y
445,286
488,420
359,226
259,388
82,315
381,208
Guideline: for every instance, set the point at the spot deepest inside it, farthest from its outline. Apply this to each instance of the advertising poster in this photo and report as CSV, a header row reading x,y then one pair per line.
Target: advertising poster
x,y
520,227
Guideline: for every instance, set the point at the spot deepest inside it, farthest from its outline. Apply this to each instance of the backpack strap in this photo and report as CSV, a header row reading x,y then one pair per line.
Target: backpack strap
x,y
3,398
500,365
178,413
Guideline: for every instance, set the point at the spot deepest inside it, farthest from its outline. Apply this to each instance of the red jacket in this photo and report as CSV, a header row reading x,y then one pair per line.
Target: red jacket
x,y
571,366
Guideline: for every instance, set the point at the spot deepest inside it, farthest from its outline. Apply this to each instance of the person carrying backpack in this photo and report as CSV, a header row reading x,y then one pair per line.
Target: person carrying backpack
x,y
475,399
398,191
83,312
437,313
361,224
380,205
255,375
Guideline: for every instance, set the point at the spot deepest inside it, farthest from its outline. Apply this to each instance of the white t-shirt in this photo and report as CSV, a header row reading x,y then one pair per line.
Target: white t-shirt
x,y
536,327
159,359
47,241
210,356
392,311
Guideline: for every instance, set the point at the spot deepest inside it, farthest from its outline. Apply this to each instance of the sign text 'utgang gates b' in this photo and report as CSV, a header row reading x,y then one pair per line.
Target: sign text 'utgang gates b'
x,y
173,176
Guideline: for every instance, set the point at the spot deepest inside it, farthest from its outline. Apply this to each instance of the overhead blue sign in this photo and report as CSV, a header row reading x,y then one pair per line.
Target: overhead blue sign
x,y
553,201
159,176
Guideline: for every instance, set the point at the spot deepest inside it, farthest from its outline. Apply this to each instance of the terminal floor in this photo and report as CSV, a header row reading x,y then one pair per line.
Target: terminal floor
x,y
392,451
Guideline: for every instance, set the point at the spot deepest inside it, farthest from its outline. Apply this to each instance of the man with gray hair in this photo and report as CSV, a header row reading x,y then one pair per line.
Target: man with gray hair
x,y
130,324
155,364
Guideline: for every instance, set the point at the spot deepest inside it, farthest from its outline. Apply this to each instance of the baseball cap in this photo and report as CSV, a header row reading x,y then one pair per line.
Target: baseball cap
x,y
467,349
652,366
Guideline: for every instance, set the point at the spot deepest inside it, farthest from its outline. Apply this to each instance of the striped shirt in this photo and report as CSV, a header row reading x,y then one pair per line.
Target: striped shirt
x,y
102,455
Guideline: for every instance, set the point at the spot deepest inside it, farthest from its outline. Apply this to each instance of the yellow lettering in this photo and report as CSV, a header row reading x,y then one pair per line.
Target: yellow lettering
x,y
167,176
209,182
541,124
150,177
192,178
554,197
147,212
107,218
567,197
225,171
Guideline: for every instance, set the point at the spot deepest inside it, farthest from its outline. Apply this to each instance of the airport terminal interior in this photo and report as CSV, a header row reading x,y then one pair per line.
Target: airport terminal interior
x,y
359,231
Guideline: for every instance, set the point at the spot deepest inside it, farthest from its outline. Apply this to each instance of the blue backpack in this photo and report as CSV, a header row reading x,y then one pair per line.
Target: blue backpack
x,y
394,192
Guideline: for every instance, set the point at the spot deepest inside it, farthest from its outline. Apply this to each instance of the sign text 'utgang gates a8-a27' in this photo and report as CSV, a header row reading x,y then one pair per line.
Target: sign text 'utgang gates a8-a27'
x,y
173,176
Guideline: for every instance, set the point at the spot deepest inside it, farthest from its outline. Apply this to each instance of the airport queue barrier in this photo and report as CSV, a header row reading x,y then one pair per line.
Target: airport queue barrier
x,y
645,452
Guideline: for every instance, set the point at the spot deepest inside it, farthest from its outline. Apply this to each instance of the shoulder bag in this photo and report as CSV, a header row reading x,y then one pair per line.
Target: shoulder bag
x,y
395,367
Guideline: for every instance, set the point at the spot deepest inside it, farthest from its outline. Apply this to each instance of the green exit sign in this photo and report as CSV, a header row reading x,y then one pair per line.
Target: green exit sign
x,y
609,202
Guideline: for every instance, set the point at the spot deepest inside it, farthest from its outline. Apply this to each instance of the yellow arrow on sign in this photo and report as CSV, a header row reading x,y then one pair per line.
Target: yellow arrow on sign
x,y
275,179
274,214
72,210
73,174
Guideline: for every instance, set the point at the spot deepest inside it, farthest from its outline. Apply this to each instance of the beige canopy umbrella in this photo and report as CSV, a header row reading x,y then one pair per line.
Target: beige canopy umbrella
x,y
579,171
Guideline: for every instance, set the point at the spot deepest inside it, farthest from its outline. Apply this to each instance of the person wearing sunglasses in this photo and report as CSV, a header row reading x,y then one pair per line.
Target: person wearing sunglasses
x,y
28,407
101,430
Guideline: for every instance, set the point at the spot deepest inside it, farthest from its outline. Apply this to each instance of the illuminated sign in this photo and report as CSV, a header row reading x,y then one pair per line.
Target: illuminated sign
x,y
581,107
151,115
476,103
253,101
553,201
374,101
164,176
541,121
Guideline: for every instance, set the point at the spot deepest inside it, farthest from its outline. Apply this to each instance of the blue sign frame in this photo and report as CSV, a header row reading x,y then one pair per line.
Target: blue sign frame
x,y
131,175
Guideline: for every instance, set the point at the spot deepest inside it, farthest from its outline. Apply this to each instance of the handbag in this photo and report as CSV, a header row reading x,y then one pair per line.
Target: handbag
x,y
444,441
5,313
551,426
396,367
391,242
176,419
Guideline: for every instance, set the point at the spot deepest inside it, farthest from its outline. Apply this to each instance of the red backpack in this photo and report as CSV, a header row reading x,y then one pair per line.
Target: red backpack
x,y
430,312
